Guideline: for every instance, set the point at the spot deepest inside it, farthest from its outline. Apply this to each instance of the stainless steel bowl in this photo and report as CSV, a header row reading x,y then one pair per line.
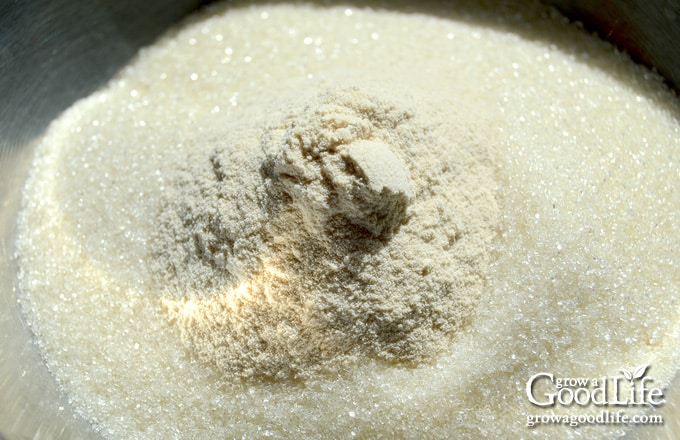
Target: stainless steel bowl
x,y
53,52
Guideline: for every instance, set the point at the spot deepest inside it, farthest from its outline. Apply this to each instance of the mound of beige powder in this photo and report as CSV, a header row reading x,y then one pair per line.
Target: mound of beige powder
x,y
358,224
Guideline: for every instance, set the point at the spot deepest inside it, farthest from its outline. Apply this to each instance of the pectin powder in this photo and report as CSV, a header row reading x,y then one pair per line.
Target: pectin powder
x,y
339,233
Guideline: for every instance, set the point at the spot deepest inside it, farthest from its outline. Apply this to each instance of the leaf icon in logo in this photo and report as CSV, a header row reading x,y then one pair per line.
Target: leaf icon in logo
x,y
640,372
627,374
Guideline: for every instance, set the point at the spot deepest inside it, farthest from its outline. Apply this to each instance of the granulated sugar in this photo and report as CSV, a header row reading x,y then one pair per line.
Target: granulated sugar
x,y
337,221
